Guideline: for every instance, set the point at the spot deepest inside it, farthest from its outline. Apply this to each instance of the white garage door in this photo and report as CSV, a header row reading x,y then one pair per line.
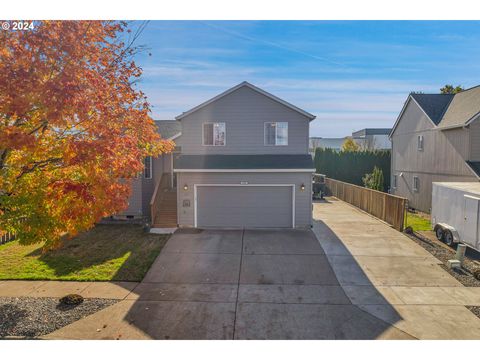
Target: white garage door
x,y
244,206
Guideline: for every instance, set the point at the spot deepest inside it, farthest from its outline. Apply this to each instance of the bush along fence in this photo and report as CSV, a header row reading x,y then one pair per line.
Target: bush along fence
x,y
386,207
352,166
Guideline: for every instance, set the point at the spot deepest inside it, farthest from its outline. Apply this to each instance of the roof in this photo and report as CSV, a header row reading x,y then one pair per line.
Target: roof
x,y
168,128
238,162
331,143
372,131
434,105
247,84
464,107
475,166
472,187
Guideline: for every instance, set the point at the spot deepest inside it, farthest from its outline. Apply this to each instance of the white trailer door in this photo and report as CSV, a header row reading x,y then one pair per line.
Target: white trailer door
x,y
470,226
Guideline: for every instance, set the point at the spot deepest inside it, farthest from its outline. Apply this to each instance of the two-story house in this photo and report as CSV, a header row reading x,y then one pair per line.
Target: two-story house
x,y
241,162
436,138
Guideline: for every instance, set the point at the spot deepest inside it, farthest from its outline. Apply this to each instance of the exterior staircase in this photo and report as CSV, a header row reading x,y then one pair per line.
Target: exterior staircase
x,y
165,214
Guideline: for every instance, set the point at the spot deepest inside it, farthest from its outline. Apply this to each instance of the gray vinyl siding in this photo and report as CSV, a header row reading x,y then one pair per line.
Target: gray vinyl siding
x,y
442,159
244,113
142,189
303,201
475,140
135,200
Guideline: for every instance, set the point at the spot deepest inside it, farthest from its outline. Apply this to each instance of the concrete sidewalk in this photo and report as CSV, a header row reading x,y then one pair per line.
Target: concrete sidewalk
x,y
103,290
387,275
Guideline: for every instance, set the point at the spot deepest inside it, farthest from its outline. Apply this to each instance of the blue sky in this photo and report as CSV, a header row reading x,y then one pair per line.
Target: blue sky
x,y
350,74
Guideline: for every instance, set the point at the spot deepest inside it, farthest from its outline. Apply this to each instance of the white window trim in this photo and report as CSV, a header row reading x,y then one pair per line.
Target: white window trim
x,y
195,186
276,127
213,127
150,168
415,188
420,142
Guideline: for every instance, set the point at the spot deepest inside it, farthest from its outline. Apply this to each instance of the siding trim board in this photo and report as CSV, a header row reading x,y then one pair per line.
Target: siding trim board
x,y
195,187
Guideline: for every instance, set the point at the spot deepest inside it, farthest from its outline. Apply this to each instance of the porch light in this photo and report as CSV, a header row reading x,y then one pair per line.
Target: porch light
x,y
302,187
185,187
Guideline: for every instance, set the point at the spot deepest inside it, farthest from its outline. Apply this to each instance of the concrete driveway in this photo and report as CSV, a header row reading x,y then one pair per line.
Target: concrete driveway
x,y
352,277
248,284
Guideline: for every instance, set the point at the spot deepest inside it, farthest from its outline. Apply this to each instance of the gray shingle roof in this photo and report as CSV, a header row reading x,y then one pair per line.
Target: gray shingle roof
x,y
168,128
235,162
475,166
433,104
464,106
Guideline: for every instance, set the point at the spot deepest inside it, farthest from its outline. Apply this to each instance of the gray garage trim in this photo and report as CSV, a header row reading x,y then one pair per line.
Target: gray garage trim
x,y
249,223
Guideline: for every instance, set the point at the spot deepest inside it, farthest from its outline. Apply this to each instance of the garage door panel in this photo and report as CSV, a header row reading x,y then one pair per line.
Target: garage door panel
x,y
244,206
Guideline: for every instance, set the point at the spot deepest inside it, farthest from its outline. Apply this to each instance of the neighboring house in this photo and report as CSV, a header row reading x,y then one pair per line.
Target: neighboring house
x,y
325,143
242,162
435,138
373,139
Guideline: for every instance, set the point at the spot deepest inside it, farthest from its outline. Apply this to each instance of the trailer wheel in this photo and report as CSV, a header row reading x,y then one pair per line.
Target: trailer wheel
x,y
439,233
448,238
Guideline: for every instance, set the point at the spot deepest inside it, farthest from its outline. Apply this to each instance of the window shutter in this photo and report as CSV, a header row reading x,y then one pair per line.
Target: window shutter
x,y
207,134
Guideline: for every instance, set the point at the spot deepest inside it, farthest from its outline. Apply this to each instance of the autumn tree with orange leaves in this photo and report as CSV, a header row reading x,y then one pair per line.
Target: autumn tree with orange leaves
x,y
74,129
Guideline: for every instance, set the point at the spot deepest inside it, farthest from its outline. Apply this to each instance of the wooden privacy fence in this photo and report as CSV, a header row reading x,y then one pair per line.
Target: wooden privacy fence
x,y
6,237
389,208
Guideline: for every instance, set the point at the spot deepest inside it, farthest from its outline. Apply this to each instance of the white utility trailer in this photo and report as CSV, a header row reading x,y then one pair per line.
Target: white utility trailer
x,y
455,212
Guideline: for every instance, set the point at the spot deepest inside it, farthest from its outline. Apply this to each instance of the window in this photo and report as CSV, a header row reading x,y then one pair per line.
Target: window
x,y
214,134
394,185
420,142
147,171
276,133
416,183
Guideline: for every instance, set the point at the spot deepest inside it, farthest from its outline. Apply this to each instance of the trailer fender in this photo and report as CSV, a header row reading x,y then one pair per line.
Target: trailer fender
x,y
456,237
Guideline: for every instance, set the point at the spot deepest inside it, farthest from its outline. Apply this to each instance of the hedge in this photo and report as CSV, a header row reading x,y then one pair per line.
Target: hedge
x,y
351,166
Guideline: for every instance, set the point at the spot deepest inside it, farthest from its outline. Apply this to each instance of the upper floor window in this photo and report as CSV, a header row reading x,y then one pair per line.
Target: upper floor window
x,y
276,133
420,142
147,171
214,134
416,183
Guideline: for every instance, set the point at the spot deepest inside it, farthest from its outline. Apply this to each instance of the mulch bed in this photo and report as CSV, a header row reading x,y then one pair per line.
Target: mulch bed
x,y
31,317
444,253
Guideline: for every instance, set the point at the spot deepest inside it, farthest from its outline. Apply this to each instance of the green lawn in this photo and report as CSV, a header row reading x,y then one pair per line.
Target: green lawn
x,y
107,252
418,222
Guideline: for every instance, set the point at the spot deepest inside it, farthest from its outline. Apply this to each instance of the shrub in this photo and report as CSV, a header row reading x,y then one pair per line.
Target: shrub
x,y
71,299
374,180
351,166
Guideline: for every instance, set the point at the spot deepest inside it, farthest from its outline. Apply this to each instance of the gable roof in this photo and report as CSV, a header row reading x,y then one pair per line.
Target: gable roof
x,y
475,166
434,105
463,108
246,84
168,129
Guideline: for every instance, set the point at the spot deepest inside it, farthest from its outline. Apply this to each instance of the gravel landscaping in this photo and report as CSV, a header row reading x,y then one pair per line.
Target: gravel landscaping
x,y
31,317
444,253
